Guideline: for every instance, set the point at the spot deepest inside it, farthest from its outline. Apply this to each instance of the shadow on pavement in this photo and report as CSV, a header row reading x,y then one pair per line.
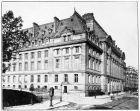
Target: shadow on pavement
x,y
98,107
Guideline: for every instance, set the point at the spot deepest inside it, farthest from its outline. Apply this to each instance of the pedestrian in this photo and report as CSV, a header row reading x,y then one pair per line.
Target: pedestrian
x,y
111,96
51,93
95,94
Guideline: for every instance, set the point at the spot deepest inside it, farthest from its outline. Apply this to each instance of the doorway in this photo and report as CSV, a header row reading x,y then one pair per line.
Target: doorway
x,y
65,89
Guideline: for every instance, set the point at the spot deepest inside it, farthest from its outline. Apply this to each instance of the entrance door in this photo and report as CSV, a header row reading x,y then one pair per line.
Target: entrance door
x,y
65,89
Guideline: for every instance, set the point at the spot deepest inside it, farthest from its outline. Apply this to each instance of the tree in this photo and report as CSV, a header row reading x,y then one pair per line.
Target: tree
x,y
13,37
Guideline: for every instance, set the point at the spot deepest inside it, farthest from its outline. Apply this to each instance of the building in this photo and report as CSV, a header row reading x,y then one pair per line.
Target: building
x,y
131,79
75,52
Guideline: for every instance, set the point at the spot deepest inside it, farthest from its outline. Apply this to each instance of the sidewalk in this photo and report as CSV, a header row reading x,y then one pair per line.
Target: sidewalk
x,y
79,99
39,106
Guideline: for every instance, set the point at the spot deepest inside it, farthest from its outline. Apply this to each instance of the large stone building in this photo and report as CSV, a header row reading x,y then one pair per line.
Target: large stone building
x,y
75,52
131,79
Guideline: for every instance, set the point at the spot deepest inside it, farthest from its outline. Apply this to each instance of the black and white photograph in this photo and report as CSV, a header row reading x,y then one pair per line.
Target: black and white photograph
x,y
69,55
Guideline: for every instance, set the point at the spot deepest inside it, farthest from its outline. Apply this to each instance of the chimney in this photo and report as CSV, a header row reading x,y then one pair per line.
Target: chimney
x,y
88,16
36,29
56,23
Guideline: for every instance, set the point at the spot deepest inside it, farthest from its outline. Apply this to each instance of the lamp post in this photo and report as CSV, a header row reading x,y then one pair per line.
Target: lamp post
x,y
61,93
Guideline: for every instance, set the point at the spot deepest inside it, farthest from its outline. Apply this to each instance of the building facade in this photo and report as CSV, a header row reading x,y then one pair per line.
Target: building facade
x,y
131,79
75,52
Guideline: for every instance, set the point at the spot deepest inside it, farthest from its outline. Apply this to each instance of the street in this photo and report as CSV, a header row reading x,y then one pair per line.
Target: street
x,y
123,103
126,102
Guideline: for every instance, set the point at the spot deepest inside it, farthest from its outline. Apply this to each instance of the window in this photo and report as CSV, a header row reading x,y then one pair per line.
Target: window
x,y
20,66
56,87
3,85
67,50
66,63
3,79
77,49
45,87
39,54
93,79
26,56
76,62
56,78
75,77
32,78
8,78
93,65
46,53
25,79
9,68
65,77
19,86
57,63
89,64
57,51
99,80
19,78
14,78
65,38
14,57
32,55
46,64
89,50
89,80
38,78
20,56
38,87
75,87
46,78
26,66
99,66
32,66
14,67
25,86
38,65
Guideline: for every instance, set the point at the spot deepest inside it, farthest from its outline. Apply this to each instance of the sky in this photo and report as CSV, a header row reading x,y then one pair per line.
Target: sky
x,y
118,19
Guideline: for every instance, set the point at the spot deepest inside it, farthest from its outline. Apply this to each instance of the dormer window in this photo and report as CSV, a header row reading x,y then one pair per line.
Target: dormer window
x,y
39,43
43,41
33,43
65,38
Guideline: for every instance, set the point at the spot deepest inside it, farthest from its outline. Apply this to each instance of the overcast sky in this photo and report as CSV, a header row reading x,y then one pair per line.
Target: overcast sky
x,y
118,19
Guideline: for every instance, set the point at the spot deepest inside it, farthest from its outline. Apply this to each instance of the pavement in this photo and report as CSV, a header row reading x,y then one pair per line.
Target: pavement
x,y
75,99
39,106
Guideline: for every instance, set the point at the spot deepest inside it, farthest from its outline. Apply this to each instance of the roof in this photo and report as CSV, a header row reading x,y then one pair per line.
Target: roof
x,y
74,24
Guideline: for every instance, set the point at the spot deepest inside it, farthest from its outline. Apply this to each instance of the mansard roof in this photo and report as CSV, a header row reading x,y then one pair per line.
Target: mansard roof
x,y
75,24
131,69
